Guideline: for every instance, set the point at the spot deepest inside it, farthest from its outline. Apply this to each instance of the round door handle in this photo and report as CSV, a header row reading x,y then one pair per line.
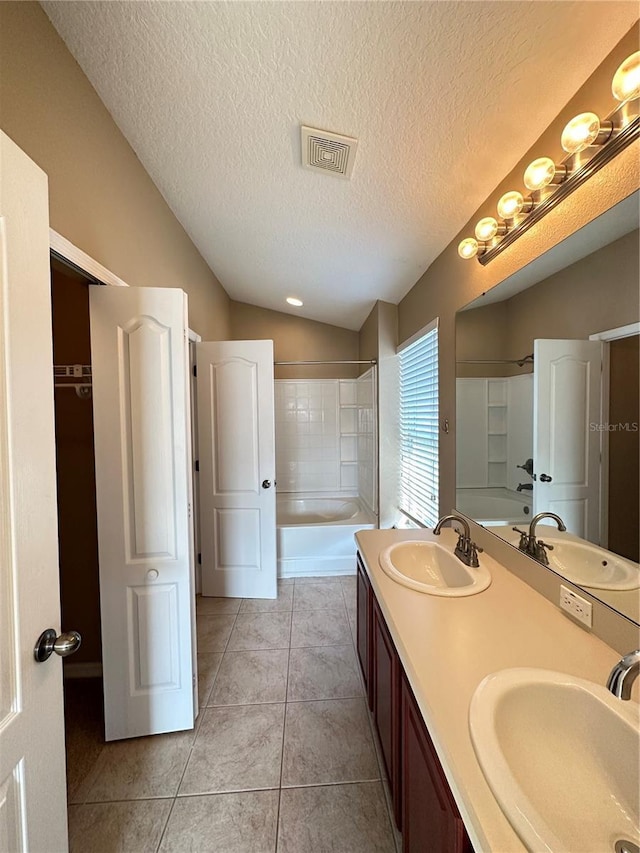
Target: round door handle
x,y
48,642
266,484
545,478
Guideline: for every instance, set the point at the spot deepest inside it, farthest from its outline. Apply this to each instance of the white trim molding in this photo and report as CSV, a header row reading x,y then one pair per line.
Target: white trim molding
x,y
419,334
59,245
627,331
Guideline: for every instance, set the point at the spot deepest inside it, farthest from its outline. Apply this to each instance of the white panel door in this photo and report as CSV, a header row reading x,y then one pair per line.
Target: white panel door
x,y
237,468
32,760
567,388
139,356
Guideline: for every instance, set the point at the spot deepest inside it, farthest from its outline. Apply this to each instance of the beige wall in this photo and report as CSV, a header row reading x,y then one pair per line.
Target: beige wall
x,y
297,339
368,335
450,283
481,334
100,196
596,293
378,340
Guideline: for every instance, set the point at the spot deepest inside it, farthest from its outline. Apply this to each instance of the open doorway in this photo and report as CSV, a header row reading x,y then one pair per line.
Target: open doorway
x,y
624,447
77,519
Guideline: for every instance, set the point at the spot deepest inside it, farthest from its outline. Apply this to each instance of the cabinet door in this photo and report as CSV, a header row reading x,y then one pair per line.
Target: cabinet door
x,y
431,822
363,626
385,691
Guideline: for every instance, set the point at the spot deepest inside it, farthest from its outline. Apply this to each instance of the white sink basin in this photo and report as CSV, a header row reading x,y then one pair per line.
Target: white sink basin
x,y
583,563
430,567
588,565
561,756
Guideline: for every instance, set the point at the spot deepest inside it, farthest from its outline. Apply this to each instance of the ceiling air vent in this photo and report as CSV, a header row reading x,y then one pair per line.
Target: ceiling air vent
x,y
328,152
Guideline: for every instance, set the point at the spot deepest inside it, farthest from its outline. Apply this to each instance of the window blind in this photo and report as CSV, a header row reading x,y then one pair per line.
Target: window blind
x,y
419,429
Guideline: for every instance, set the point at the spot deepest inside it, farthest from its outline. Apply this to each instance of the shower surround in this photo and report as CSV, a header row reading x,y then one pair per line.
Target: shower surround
x,y
325,454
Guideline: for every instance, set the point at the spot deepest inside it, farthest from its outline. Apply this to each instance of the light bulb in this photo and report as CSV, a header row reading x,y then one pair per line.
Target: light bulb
x,y
487,228
511,204
543,172
581,132
468,248
626,80
293,301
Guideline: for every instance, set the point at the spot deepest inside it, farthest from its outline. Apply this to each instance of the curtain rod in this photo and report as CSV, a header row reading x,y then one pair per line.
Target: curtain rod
x,y
290,363
528,359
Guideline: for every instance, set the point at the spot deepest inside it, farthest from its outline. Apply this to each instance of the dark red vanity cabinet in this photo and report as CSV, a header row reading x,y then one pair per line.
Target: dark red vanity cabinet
x,y
431,822
363,626
385,693
424,807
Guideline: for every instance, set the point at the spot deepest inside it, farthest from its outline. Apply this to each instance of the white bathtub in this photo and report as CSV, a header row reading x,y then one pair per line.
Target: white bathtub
x,y
315,534
494,506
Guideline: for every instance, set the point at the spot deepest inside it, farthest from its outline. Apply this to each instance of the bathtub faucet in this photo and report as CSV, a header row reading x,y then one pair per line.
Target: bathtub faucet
x,y
524,487
466,550
536,548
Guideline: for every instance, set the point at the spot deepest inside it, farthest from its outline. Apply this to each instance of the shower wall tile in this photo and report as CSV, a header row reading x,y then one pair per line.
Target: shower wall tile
x,y
307,437
325,436
316,432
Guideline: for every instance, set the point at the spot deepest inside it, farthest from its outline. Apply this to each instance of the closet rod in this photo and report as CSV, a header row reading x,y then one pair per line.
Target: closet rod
x,y
82,389
72,385
337,361
528,359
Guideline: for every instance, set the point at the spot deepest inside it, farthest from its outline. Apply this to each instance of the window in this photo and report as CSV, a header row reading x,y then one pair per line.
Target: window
x,y
419,426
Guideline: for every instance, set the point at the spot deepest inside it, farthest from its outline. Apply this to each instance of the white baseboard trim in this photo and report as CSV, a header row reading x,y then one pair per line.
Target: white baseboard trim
x,y
90,669
323,568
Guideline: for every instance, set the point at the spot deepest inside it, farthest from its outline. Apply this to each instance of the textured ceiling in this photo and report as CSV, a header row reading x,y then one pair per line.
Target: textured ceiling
x,y
444,98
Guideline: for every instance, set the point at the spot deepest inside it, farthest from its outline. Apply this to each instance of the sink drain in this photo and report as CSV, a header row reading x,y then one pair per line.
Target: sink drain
x,y
624,846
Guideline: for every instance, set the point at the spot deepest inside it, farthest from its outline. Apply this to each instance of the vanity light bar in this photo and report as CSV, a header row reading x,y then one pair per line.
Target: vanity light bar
x,y
590,143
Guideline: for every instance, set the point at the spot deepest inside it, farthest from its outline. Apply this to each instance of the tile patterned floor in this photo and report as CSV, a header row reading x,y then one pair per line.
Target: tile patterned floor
x,y
282,758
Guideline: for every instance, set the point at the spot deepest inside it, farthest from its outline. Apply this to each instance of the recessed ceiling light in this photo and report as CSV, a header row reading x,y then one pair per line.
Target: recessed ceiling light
x,y
293,301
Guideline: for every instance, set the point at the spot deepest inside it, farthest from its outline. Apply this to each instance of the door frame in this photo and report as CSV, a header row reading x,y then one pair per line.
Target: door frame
x,y
195,338
71,254
606,336
84,263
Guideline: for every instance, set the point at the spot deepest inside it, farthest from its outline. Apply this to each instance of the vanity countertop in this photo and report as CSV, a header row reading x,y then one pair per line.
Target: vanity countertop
x,y
448,645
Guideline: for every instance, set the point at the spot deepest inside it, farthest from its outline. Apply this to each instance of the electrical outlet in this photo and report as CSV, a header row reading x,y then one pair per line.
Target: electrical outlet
x,y
576,606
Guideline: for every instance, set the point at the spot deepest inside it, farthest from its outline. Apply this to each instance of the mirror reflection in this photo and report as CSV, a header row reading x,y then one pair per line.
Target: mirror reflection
x,y
548,410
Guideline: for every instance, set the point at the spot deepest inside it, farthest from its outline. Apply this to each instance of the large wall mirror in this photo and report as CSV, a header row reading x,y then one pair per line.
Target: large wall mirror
x,y
547,409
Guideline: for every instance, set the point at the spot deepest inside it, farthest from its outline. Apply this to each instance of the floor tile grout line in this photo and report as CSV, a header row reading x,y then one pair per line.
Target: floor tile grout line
x,y
198,722
278,815
284,725
202,710
370,781
324,784
166,824
377,747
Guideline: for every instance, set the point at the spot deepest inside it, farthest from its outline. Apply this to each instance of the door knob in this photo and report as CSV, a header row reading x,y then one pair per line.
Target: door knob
x,y
266,484
48,642
545,478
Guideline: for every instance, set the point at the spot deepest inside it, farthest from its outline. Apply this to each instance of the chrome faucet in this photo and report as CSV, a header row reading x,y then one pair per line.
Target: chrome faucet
x,y
623,675
465,550
536,548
